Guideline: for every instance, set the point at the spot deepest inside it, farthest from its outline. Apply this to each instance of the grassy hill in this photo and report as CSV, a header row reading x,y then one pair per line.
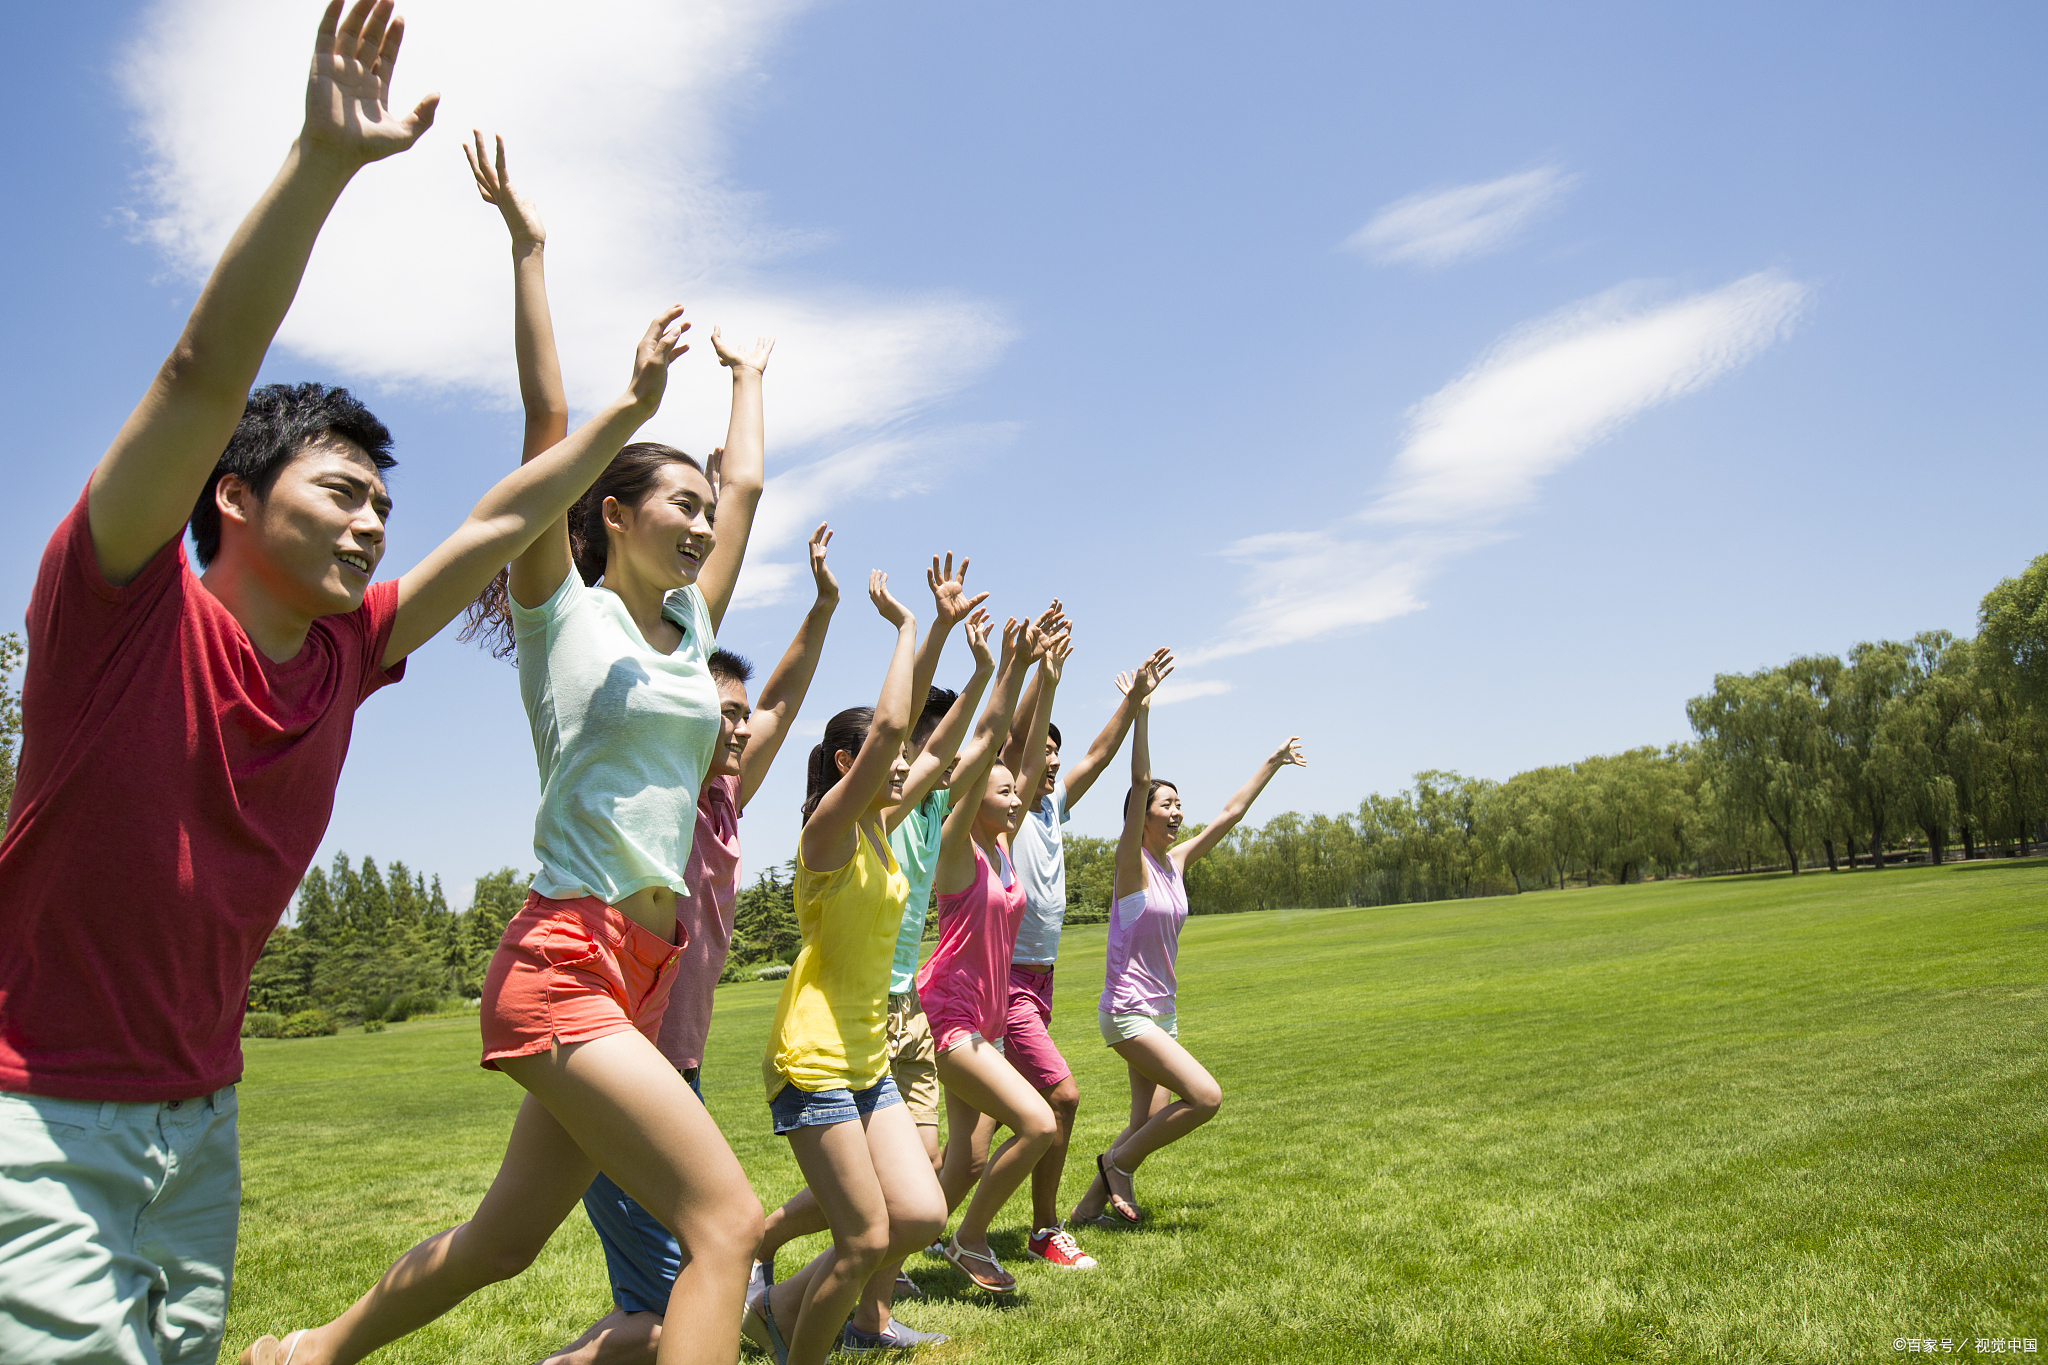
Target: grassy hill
x,y
1746,1119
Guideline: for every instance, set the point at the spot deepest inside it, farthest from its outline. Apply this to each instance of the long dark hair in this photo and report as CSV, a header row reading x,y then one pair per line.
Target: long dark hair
x,y
1150,792
848,731
629,477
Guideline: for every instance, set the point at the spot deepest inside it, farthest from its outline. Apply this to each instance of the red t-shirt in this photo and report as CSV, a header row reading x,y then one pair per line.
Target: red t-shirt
x,y
172,788
713,876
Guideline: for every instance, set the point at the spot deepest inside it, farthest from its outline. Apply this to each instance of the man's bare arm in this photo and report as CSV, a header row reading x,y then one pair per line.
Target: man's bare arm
x,y
145,485
784,691
1080,775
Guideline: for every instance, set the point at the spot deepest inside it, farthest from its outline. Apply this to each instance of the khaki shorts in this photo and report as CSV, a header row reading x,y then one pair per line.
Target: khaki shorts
x,y
913,1061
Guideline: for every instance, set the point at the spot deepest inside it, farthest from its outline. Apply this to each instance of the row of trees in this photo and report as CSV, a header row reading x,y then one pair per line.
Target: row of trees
x,y
1902,749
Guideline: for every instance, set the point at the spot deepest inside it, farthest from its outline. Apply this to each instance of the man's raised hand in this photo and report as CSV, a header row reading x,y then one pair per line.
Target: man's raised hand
x,y
1150,674
755,359
348,93
496,187
949,592
1057,648
821,574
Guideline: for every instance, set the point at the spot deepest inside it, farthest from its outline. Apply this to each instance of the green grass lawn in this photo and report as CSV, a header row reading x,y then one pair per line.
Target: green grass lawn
x,y
1747,1119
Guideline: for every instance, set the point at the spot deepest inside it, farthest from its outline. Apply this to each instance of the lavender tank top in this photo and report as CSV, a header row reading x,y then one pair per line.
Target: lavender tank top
x,y
1144,937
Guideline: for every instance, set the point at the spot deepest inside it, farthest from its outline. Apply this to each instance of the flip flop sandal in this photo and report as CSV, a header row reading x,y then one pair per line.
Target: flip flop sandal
x,y
1117,1211
954,1254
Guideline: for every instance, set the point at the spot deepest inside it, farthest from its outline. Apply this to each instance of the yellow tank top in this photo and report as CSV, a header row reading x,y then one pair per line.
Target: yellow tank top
x,y
831,1024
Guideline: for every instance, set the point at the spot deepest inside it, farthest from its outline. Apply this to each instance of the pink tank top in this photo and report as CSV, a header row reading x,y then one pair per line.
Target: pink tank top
x,y
1144,937
965,984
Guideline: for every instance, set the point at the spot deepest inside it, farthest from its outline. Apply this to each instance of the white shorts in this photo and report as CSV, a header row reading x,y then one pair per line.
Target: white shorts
x,y
1121,1028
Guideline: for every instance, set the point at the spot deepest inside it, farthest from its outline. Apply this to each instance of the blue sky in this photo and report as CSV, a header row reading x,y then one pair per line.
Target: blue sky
x,y
1462,386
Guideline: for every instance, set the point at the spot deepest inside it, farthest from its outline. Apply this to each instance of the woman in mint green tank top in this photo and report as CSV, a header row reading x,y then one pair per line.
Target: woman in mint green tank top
x,y
1172,1094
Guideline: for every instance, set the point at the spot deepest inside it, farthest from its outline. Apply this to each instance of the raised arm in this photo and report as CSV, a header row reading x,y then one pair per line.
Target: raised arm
x,y
950,606
1031,772
144,488
1013,751
533,329
508,524
827,842
1288,754
956,859
784,691
1129,877
1080,775
739,476
929,768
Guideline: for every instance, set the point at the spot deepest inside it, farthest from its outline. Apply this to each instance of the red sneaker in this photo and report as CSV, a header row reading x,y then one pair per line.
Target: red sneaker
x,y
1055,1246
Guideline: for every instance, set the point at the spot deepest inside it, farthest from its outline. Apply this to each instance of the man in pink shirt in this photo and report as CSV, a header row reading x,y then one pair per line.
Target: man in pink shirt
x,y
182,737
641,1255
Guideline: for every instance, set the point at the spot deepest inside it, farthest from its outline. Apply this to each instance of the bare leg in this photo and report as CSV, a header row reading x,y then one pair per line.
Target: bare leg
x,y
1158,1064
917,1210
854,1183
1065,1100
620,1105
966,1156
617,1338
800,1215
978,1076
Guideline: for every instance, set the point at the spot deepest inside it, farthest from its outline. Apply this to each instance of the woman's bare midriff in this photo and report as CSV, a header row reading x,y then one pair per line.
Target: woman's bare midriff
x,y
653,908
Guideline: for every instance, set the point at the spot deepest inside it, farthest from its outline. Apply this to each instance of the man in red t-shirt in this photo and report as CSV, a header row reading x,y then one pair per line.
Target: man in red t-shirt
x,y
182,737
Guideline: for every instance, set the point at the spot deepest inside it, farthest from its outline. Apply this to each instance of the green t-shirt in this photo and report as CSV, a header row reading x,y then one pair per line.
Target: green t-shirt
x,y
915,842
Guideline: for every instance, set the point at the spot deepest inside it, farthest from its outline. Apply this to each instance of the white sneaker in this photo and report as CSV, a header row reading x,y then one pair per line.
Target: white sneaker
x,y
758,1282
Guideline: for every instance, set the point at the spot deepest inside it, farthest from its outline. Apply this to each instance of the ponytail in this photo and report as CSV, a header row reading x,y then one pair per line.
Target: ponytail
x,y
628,478
844,733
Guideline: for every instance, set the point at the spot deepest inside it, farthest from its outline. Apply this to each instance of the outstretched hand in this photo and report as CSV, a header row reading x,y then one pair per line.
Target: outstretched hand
x,y
821,574
755,359
496,187
349,91
1013,640
659,346
894,612
1039,633
978,627
1057,647
1289,754
949,592
1150,674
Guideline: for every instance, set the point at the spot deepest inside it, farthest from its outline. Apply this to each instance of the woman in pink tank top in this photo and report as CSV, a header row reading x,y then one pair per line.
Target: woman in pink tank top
x,y
1172,1094
964,987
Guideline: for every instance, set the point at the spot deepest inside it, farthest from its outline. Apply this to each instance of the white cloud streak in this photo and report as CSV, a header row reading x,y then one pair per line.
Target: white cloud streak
x,y
1437,227
1478,449
1171,692
613,117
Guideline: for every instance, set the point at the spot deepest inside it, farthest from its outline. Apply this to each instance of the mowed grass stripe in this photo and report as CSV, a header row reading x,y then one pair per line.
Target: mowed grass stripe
x,y
1745,1119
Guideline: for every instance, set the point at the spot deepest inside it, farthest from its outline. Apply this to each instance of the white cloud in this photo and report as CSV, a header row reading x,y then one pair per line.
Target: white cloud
x,y
613,117
1479,447
1437,227
1170,692
893,466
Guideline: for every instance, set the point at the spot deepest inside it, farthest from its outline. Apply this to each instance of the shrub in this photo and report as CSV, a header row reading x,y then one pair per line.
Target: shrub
x,y
773,972
262,1024
310,1024
373,1025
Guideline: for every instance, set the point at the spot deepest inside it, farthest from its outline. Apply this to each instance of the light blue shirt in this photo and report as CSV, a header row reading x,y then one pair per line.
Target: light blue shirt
x,y
1040,851
624,735
915,842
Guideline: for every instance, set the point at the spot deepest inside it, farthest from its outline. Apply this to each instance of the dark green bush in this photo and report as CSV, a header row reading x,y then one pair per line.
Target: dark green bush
x,y
262,1024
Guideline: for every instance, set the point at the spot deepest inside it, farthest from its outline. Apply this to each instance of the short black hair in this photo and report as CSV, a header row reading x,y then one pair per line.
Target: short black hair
x,y
937,703
727,666
278,422
1052,732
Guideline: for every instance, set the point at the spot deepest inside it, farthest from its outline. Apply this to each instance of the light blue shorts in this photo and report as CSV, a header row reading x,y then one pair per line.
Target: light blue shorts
x,y
1121,1028
793,1108
117,1228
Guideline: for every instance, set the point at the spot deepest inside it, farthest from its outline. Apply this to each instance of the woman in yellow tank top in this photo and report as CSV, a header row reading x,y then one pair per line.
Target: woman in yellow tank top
x,y
826,1068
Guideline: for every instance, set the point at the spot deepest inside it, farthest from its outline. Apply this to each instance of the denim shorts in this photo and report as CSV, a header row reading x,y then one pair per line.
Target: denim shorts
x,y
117,1228
794,1108
641,1257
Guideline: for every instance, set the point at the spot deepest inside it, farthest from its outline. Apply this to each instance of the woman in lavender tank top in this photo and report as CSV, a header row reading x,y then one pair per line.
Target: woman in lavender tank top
x,y
1172,1094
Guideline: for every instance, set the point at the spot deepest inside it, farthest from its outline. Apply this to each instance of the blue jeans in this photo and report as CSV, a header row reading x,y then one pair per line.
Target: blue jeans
x,y
640,1255
117,1228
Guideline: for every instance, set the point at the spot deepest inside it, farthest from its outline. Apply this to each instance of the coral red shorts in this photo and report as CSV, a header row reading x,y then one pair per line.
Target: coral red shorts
x,y
571,971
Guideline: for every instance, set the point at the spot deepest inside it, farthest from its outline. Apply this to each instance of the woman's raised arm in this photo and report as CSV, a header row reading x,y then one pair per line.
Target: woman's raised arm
x,y
828,838
1287,755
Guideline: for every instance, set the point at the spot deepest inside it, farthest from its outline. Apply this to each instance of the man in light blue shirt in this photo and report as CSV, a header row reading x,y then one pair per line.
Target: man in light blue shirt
x,y
1038,849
